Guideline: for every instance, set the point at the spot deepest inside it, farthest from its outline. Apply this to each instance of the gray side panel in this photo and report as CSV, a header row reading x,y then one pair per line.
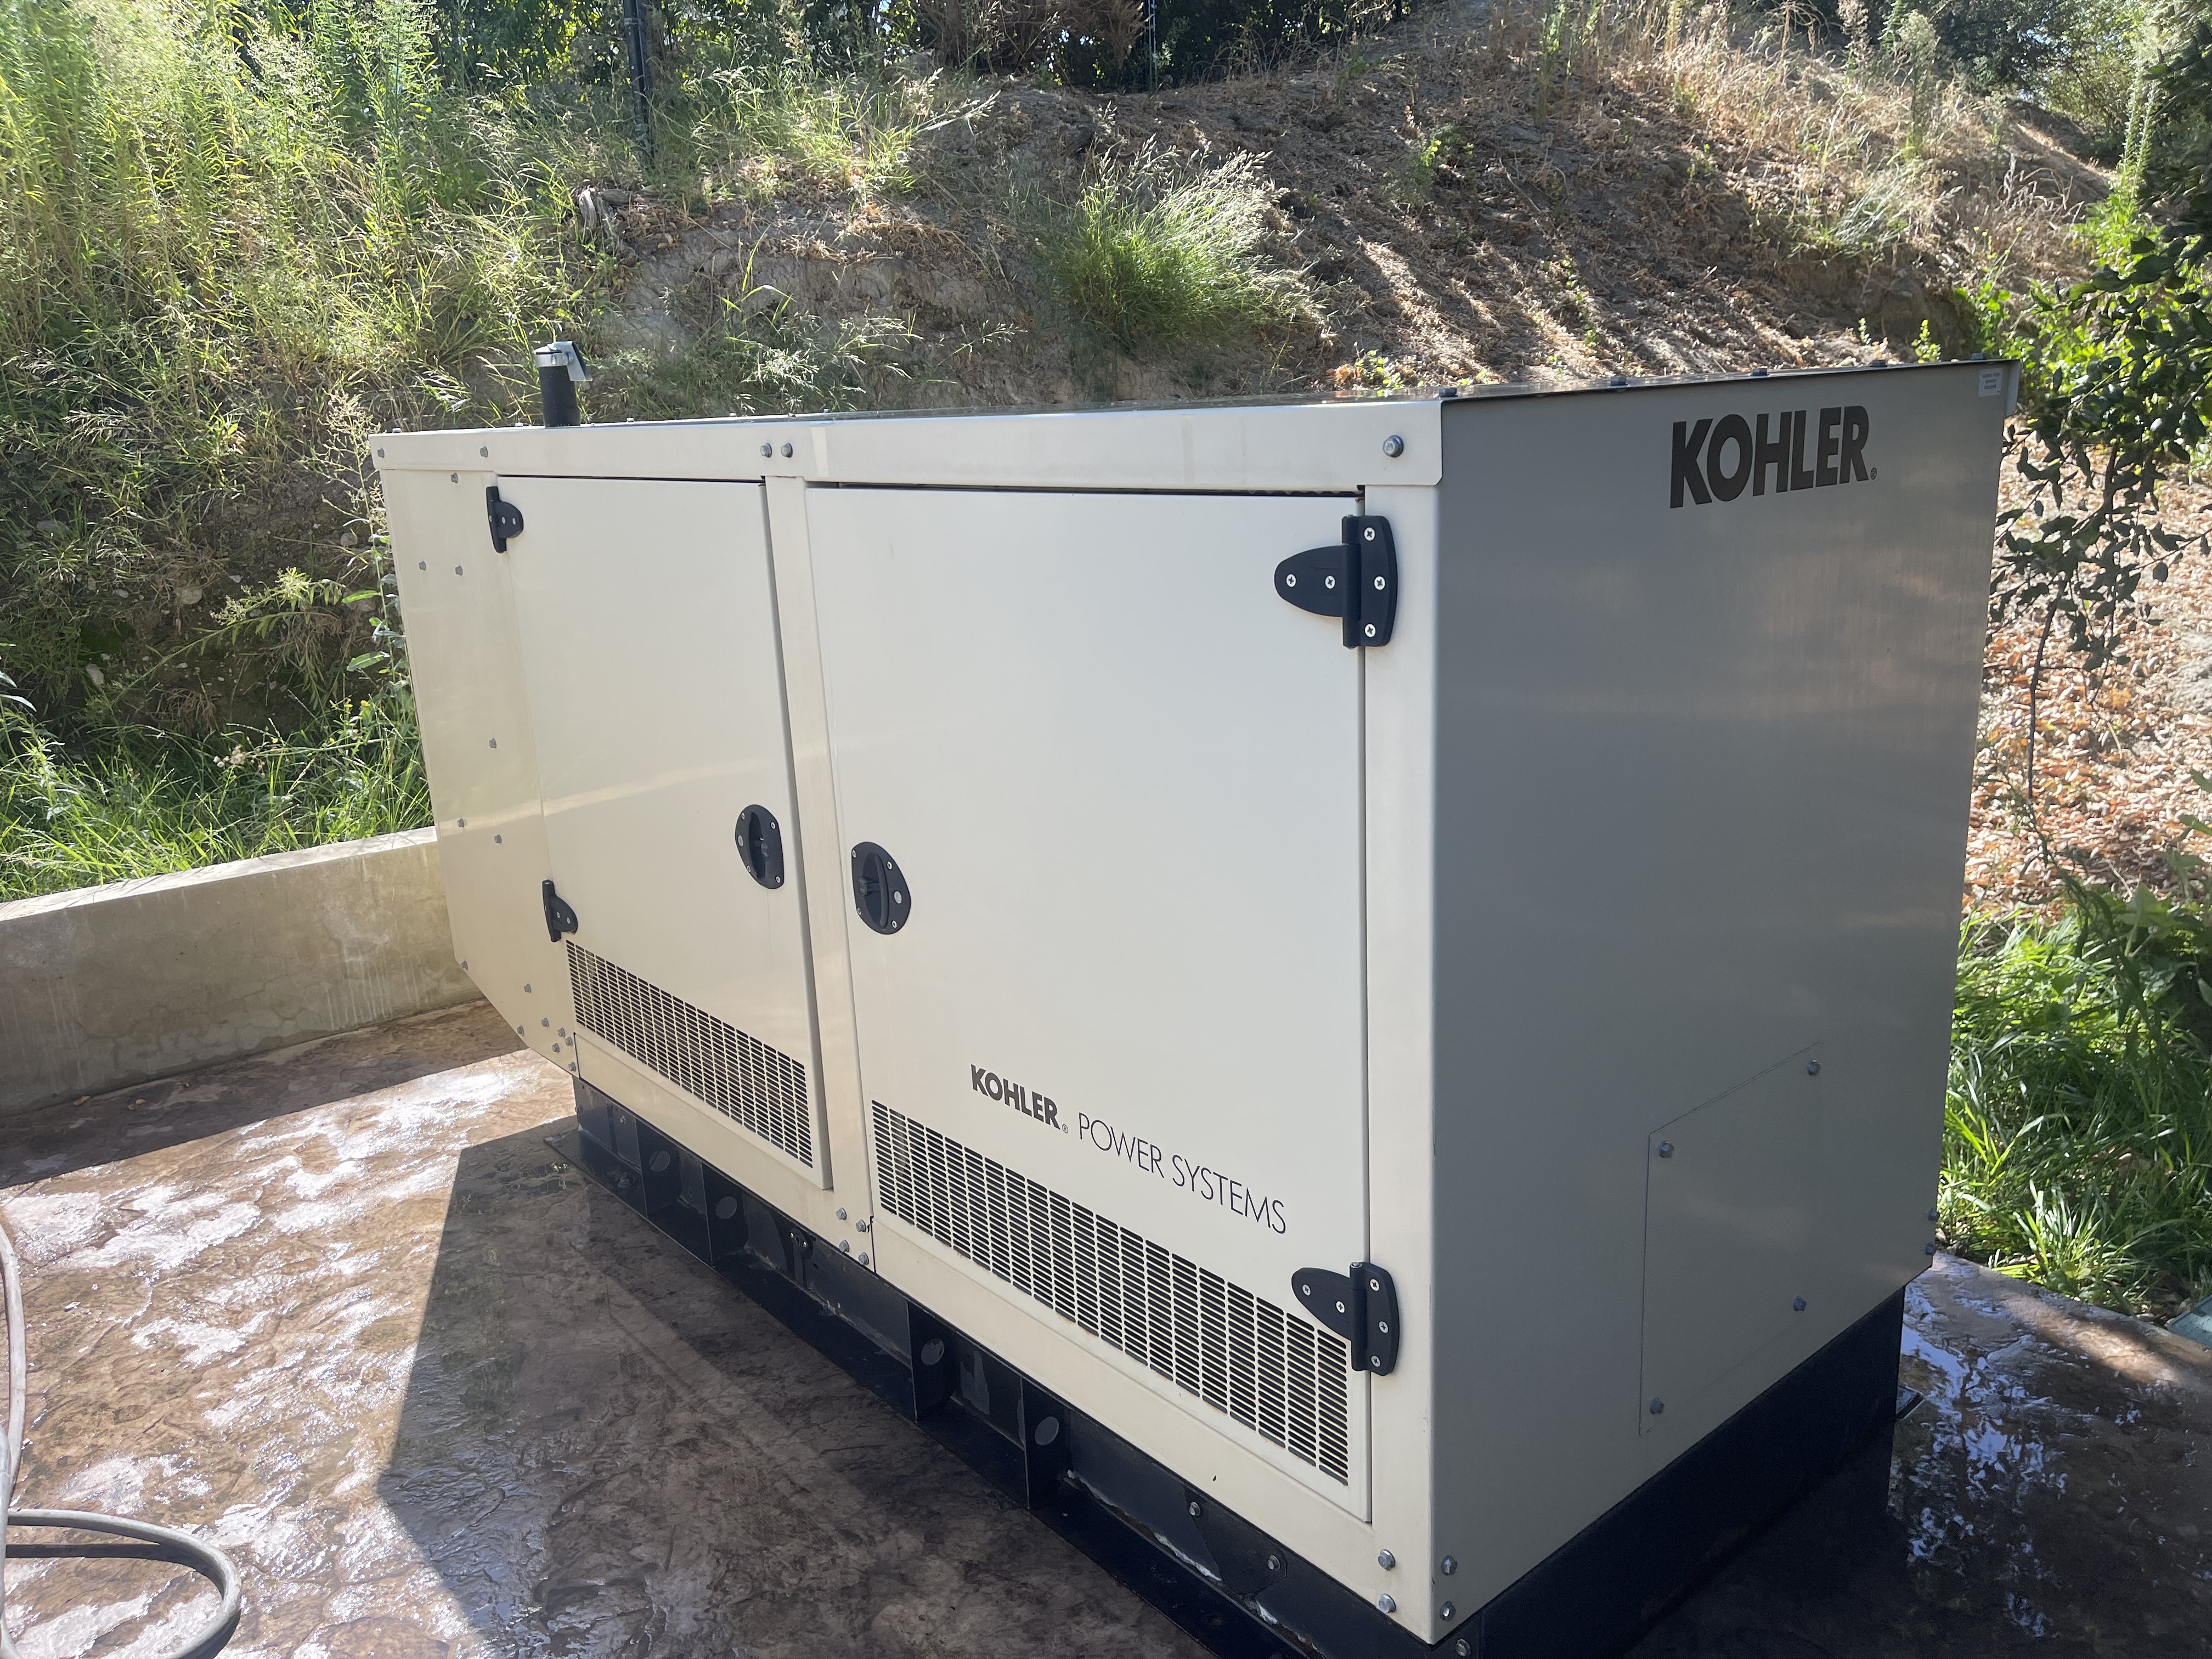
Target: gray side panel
x,y
1702,796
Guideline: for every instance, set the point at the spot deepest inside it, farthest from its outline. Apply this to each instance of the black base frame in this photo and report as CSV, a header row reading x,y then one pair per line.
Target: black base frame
x,y
1224,1581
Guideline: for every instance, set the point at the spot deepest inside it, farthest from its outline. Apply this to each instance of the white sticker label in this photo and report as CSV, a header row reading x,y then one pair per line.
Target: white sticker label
x,y
1992,382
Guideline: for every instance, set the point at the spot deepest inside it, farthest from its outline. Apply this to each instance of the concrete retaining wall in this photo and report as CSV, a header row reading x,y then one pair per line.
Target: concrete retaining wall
x,y
109,986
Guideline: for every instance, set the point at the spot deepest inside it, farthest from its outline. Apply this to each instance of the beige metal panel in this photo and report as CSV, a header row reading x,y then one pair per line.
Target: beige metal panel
x,y
1399,688
1733,1232
1330,445
1703,782
464,656
1121,777
824,883
647,622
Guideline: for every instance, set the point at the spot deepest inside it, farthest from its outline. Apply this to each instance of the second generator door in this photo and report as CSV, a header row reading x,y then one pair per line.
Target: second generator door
x,y
649,638
1100,790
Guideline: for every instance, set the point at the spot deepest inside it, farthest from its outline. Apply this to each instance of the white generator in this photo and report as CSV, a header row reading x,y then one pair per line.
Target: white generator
x,y
1352,996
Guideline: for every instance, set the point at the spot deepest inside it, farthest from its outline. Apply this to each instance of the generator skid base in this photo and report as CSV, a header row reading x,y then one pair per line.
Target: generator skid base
x,y
1219,1578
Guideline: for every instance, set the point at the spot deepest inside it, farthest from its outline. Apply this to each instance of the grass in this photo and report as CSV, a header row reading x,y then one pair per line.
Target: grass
x,y
1153,255
2078,1132
144,803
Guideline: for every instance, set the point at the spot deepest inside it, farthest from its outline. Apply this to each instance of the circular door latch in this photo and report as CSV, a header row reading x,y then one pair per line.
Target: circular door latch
x,y
760,844
879,890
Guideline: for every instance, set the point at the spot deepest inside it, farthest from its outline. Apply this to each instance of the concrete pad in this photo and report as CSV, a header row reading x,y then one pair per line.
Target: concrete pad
x,y
110,985
342,1308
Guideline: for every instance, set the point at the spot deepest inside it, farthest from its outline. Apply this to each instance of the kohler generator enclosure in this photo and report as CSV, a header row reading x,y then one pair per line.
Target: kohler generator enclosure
x,y
1352,997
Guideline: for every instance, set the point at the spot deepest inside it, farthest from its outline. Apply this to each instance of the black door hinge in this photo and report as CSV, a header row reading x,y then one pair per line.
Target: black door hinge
x,y
1361,1307
1356,579
505,516
559,914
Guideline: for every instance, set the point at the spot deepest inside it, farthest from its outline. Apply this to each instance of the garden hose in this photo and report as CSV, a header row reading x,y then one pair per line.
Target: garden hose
x,y
202,1558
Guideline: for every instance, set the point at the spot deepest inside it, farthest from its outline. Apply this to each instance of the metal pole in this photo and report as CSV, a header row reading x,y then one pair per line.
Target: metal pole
x,y
641,70
1152,46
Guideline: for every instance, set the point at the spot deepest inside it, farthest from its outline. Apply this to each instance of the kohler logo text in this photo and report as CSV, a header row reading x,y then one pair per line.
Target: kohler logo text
x,y
1717,459
1027,1101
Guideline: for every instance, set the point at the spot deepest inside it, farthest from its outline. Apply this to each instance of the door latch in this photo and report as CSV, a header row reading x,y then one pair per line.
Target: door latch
x,y
1360,1306
505,516
760,846
879,890
1356,579
559,914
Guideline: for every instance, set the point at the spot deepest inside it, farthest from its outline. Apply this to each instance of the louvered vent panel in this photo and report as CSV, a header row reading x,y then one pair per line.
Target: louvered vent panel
x,y
740,1077
1281,1377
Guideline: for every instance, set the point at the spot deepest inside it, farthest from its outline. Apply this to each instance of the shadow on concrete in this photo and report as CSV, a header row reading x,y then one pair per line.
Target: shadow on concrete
x,y
606,1448
165,1112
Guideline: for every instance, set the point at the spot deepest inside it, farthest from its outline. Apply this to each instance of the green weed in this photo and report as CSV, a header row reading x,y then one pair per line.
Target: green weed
x,y
1154,256
2078,1131
144,803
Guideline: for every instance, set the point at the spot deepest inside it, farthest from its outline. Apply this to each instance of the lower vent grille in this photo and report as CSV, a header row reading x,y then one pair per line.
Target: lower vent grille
x,y
740,1077
1279,1376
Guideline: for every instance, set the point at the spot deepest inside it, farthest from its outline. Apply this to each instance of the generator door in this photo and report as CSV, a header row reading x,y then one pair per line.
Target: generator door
x,y
647,618
1099,788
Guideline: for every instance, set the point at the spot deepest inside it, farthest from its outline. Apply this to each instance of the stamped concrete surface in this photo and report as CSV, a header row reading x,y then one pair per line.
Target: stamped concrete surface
x,y
342,1308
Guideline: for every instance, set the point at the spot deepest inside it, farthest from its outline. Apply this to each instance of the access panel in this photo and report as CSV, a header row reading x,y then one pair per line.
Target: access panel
x,y
1100,790
647,618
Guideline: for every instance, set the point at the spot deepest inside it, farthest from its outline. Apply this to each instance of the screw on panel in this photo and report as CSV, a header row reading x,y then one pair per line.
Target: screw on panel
x,y
457,570
846,1245
862,1258
1451,1565
787,452
1394,446
525,990
1811,1069
1929,1247
455,476
768,449
1387,1602
1445,1611
862,1224
1274,1564
421,564
379,454
463,823
494,743
1193,1509
1657,1406
1933,1216
465,967
1666,1149
517,1031
1047,1430
1797,1304
1385,1560
1462,1648
485,451
932,1351
498,841
841,1212
545,1022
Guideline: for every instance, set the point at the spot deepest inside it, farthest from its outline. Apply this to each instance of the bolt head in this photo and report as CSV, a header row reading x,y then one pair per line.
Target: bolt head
x,y
1387,1602
846,1245
1666,1149
1274,1564
1394,446
1929,1247
787,452
1933,1216
768,449
1462,1648
1797,1304
1657,1406
1385,1560
1445,1611
862,1258
1811,1069
1451,1565
841,1212
1192,1507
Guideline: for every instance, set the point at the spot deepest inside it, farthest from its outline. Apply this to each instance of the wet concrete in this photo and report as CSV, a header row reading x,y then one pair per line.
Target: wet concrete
x,y
343,1308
